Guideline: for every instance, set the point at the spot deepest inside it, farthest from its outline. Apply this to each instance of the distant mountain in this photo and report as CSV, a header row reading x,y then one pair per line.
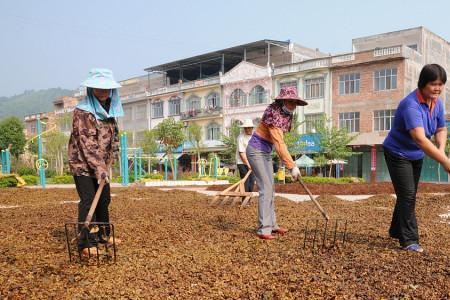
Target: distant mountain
x,y
30,102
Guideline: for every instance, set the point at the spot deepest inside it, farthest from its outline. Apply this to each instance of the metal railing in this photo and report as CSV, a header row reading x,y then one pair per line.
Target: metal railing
x,y
200,113
302,66
184,86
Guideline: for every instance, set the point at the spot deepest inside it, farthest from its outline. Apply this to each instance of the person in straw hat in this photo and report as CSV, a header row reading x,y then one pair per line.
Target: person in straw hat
x,y
241,157
276,121
93,144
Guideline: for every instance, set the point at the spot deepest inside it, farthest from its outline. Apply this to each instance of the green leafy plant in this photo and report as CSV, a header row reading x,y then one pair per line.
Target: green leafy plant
x,y
31,179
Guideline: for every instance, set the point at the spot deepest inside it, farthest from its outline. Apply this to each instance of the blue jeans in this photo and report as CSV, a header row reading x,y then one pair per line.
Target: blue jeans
x,y
262,167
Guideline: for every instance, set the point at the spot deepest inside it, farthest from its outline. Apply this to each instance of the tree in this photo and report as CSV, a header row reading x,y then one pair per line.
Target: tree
x,y
55,143
230,142
194,136
292,138
149,145
170,134
334,141
12,133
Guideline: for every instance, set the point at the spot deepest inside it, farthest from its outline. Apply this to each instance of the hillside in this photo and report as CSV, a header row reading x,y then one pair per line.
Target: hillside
x,y
30,102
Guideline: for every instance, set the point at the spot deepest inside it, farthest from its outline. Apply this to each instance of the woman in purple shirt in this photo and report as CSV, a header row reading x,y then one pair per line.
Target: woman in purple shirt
x,y
418,117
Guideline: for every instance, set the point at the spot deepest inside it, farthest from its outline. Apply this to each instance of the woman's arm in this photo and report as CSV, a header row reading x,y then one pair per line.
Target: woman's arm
x,y
418,135
280,146
441,138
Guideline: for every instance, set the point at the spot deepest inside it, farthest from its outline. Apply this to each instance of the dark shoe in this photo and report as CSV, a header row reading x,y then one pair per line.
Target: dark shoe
x,y
266,236
414,248
280,231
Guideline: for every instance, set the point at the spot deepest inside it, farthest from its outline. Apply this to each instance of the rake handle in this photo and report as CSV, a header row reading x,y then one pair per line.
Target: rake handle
x,y
319,207
94,203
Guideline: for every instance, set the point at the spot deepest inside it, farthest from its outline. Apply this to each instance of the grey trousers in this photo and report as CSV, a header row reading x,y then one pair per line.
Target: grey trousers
x,y
262,167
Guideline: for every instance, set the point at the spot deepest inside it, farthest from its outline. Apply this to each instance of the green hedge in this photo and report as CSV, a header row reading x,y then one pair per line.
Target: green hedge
x,y
22,171
316,179
64,179
31,179
8,181
154,176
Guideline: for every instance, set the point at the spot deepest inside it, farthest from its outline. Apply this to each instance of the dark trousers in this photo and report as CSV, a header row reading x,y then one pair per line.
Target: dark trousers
x,y
250,182
86,188
405,175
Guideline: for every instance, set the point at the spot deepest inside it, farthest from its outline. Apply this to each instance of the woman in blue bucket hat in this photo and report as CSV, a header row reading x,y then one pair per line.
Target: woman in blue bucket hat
x,y
93,145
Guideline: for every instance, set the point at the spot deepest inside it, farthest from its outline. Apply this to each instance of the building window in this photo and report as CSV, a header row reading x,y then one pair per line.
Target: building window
x,y
258,95
213,101
141,112
174,106
213,132
237,98
127,114
314,88
288,83
193,104
350,121
383,119
385,79
157,110
349,84
413,46
311,122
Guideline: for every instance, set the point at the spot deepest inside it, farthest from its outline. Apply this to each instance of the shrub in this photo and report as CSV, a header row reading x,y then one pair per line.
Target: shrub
x,y
31,179
50,173
8,181
316,179
64,179
22,171
156,176
231,179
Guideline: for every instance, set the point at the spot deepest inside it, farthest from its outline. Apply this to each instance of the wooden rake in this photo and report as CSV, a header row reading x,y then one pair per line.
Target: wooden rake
x,y
234,194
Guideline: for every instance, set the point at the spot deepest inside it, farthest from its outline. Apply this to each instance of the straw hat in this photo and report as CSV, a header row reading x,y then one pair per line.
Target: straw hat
x,y
247,123
101,79
290,93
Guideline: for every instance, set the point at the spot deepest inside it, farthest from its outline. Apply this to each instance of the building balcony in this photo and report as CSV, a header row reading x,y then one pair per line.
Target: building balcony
x,y
184,86
303,66
201,113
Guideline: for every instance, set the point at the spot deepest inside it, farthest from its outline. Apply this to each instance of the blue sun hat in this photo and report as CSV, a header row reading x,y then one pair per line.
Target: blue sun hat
x,y
101,79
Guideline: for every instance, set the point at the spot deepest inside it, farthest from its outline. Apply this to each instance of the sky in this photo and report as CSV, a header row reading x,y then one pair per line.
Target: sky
x,y
46,44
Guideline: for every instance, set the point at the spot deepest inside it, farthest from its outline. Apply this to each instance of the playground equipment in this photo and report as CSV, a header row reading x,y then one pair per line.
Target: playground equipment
x,y
236,191
136,156
41,163
5,170
6,162
124,159
214,169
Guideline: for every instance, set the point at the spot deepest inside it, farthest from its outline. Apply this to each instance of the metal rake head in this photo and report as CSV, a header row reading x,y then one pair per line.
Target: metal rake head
x,y
99,234
325,233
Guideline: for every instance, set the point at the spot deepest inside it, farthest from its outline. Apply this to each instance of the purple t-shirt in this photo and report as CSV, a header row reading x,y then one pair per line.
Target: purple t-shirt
x,y
410,114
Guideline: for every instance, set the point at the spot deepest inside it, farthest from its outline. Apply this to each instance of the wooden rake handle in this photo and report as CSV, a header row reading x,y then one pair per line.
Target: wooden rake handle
x,y
319,207
94,203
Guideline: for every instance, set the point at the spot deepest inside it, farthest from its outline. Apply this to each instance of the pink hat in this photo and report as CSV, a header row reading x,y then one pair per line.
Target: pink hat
x,y
290,93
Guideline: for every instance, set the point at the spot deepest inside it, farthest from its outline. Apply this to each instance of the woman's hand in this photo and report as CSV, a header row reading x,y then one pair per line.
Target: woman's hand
x,y
446,166
295,172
